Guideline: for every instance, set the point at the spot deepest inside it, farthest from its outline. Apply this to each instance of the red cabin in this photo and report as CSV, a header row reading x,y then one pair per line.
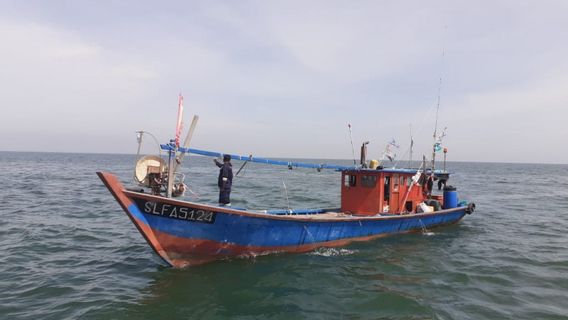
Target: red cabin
x,y
369,192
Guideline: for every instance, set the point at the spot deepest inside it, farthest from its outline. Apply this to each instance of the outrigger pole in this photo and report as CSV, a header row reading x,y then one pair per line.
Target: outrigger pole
x,y
249,158
179,158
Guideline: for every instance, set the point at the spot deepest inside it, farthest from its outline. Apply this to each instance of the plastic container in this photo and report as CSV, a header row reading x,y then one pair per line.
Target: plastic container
x,y
373,164
450,197
422,207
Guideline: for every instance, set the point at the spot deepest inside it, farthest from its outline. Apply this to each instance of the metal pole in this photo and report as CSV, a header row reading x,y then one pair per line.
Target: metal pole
x,y
445,152
171,158
139,136
433,158
243,165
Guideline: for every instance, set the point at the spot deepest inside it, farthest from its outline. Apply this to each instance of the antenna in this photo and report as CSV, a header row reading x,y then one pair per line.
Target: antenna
x,y
352,148
438,104
411,147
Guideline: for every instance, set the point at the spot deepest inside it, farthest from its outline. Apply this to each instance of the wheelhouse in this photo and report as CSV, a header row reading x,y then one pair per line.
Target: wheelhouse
x,y
369,192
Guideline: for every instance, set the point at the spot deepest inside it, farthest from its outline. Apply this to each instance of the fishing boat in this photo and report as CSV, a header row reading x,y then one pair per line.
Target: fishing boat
x,y
375,202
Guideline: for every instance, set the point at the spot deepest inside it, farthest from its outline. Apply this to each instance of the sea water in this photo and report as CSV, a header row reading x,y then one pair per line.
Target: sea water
x,y
67,251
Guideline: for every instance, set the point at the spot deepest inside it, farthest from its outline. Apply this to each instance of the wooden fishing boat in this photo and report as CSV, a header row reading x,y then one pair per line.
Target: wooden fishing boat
x,y
375,202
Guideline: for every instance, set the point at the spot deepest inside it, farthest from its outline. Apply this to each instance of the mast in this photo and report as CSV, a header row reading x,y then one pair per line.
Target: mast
x,y
436,128
171,161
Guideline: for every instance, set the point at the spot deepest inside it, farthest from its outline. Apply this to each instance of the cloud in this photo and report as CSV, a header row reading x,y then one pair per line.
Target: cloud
x,y
284,78
526,123
350,42
46,68
56,82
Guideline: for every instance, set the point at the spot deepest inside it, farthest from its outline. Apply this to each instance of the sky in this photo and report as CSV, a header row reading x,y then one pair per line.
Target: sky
x,y
285,78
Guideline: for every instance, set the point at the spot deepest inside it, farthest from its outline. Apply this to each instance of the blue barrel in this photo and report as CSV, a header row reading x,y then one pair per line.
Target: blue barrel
x,y
450,197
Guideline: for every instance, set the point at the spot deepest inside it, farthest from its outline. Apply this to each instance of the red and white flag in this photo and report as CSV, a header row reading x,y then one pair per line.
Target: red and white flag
x,y
179,125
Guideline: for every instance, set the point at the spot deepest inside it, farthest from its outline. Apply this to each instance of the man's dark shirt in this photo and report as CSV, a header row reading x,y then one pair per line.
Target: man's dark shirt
x,y
226,171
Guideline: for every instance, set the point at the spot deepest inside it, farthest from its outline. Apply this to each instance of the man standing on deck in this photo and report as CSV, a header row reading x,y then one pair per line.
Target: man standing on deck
x,y
225,180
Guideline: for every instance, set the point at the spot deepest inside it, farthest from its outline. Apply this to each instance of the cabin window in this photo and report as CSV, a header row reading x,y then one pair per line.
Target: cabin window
x,y
402,180
409,181
408,206
350,180
395,183
369,181
387,188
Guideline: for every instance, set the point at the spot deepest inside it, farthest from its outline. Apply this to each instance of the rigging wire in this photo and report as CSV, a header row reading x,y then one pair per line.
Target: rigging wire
x,y
422,122
139,138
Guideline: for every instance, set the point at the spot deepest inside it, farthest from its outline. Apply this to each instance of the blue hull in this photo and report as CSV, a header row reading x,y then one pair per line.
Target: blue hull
x,y
185,233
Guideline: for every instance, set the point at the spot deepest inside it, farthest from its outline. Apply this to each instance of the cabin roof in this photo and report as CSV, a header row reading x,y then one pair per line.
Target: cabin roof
x,y
406,171
385,170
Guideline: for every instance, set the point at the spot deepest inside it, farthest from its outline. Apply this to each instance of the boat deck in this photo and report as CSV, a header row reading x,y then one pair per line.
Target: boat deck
x,y
331,215
312,216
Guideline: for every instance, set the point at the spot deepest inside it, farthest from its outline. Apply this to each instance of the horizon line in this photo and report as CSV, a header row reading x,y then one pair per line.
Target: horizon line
x,y
308,158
